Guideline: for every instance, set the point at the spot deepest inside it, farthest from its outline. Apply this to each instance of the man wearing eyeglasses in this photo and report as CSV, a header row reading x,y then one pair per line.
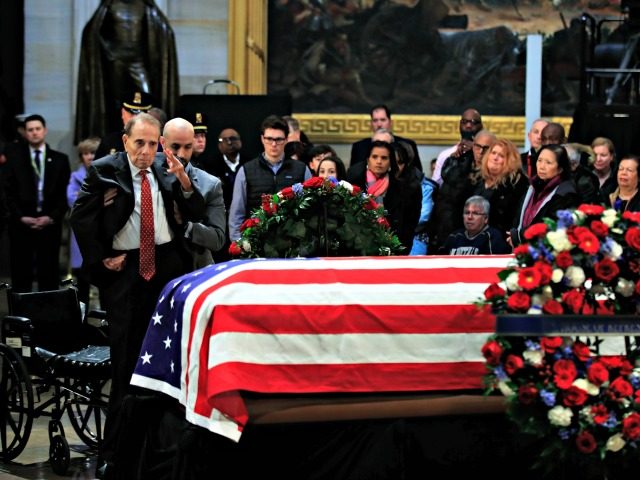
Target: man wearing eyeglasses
x,y
482,142
269,173
477,237
470,124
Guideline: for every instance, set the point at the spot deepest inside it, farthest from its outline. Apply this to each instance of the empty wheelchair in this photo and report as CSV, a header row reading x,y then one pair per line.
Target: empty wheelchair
x,y
52,361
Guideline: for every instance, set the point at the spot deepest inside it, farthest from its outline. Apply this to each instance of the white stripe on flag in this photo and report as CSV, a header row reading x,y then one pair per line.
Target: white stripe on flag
x,y
337,349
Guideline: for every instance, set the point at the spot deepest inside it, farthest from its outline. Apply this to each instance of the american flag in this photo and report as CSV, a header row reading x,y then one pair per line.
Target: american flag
x,y
365,324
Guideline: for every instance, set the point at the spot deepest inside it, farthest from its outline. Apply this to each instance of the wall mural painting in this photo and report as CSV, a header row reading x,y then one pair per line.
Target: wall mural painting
x,y
425,56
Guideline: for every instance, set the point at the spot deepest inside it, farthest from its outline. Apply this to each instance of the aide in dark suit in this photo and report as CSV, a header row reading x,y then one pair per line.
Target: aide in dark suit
x,y
107,228
36,179
380,118
206,237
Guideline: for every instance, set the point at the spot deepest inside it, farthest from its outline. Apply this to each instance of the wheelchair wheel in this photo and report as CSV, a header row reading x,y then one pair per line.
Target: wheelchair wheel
x,y
87,410
59,455
16,404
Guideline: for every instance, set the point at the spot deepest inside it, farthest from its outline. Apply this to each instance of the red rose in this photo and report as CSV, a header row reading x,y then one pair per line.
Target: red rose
x,y
249,223
492,351
529,278
631,426
234,249
356,190
591,209
632,216
634,265
611,361
564,260
587,309
597,373
384,222
287,193
585,442
636,397
493,291
637,289
565,373
606,270
626,367
527,394
620,388
313,182
587,241
522,249
632,237
604,307
581,351
519,302
545,271
550,344
574,300
552,307
535,230
512,364
574,397
600,414
599,228
370,204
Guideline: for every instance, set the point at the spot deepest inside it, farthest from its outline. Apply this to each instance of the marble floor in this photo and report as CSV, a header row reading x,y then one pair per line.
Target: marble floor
x,y
33,462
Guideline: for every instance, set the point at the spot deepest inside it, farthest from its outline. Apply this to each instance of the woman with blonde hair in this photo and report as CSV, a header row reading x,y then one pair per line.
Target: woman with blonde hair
x,y
604,165
502,182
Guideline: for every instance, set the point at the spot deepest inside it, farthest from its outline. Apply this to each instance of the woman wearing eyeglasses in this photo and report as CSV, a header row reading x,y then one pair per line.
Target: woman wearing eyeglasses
x,y
551,189
502,182
400,194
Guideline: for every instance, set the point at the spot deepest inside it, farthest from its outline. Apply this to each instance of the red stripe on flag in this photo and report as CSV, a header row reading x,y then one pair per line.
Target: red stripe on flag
x,y
352,319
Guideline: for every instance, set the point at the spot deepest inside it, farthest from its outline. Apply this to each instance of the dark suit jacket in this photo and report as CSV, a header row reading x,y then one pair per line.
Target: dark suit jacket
x,y
95,225
216,166
360,149
21,184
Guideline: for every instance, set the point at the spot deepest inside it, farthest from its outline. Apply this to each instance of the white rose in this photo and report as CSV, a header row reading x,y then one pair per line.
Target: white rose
x,y
346,185
609,217
560,416
505,389
511,282
535,310
578,216
625,287
575,275
245,245
616,251
533,357
556,276
587,414
559,240
585,385
615,442
537,300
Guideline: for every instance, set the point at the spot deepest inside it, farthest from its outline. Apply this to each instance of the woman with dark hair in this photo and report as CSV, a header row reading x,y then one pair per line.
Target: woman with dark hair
x,y
331,166
625,196
551,189
317,153
399,194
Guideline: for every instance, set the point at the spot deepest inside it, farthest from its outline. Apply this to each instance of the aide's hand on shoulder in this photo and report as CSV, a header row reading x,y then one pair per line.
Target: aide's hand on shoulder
x,y
109,196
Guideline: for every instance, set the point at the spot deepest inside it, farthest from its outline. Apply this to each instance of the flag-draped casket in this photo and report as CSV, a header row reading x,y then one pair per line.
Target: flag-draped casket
x,y
305,326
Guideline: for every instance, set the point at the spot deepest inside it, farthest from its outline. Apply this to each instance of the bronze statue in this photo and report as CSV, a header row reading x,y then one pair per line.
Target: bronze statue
x,y
127,45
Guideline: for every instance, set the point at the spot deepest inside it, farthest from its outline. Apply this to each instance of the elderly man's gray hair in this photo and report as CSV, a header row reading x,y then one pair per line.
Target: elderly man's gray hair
x,y
478,200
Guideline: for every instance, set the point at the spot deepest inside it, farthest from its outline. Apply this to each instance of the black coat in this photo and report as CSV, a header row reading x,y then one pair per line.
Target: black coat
x,y
360,150
504,201
564,197
402,202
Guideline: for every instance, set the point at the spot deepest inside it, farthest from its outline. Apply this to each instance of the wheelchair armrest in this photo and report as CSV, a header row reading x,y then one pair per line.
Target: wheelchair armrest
x,y
13,327
97,318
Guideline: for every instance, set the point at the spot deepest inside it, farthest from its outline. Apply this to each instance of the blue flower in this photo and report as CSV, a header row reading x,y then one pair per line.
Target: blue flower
x,y
500,373
564,433
635,381
612,421
297,189
333,180
531,345
548,398
565,218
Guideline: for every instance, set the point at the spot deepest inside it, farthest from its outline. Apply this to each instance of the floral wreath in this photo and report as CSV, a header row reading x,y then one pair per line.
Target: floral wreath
x,y
586,407
320,217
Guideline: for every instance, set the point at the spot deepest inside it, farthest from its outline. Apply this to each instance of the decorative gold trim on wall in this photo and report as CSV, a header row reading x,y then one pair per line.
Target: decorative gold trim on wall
x,y
423,129
247,45
247,65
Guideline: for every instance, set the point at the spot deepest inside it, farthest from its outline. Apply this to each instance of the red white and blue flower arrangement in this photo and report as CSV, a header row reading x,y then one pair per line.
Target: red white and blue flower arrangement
x,y
585,407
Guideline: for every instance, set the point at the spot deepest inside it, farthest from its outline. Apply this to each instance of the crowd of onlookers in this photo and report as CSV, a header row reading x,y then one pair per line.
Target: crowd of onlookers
x,y
478,198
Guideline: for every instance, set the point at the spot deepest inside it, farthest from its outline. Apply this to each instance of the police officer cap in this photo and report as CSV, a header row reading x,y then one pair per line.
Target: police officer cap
x,y
200,123
138,102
